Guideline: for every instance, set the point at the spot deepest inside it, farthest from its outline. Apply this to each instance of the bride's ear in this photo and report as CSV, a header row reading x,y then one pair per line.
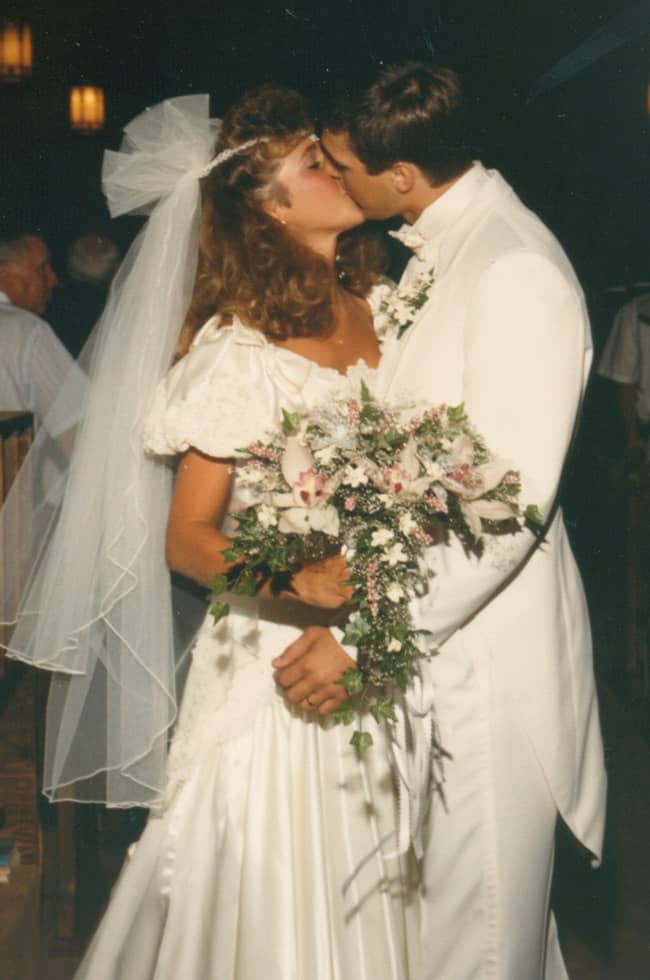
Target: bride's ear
x,y
403,177
275,209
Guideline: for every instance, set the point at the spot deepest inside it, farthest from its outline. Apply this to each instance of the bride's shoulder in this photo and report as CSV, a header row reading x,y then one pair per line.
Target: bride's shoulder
x,y
214,398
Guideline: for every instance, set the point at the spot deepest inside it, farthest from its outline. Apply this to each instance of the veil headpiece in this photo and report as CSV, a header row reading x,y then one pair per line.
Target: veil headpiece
x,y
89,590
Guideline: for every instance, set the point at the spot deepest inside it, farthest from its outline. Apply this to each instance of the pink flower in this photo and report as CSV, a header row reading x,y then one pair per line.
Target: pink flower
x,y
436,504
309,488
350,502
395,479
354,410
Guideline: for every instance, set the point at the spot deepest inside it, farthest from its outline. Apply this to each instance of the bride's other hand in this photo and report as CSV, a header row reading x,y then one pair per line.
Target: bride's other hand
x,y
309,669
319,584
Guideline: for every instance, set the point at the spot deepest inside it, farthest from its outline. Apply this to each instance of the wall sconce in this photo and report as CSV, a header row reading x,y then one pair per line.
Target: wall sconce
x,y
87,112
15,51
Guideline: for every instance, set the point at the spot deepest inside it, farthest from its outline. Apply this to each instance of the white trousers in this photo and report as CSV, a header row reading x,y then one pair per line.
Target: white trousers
x,y
486,875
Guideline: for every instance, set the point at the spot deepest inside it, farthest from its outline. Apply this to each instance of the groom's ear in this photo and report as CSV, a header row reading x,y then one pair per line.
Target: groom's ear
x,y
403,176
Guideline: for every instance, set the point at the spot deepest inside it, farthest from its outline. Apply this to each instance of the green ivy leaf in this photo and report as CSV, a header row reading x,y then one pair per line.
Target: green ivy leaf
x,y
218,610
352,681
219,584
345,713
383,709
361,741
534,515
290,422
355,631
456,413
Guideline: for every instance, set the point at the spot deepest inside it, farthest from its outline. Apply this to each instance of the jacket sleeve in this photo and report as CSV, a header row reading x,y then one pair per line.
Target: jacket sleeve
x,y
527,353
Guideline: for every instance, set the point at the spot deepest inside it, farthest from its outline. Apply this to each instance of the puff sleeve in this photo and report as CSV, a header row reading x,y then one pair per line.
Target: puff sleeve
x,y
219,398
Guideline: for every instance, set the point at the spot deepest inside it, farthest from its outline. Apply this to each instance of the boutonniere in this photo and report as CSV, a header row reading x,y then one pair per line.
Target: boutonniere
x,y
398,310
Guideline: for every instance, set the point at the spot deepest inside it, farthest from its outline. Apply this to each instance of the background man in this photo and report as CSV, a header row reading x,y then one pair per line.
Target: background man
x,y
503,329
33,362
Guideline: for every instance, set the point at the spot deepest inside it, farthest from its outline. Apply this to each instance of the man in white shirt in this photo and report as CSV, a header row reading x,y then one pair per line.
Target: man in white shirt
x,y
33,362
504,329
626,360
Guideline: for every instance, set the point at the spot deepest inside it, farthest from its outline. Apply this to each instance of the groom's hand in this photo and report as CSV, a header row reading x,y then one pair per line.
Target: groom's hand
x,y
309,668
319,584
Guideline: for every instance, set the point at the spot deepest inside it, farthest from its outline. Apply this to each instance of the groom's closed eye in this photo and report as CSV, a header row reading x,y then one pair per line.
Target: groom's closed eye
x,y
335,163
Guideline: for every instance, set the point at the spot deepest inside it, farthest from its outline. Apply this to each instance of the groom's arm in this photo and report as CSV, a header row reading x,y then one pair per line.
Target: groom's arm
x,y
527,348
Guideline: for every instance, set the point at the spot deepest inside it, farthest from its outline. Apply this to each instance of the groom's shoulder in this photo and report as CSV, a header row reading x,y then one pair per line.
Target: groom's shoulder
x,y
503,225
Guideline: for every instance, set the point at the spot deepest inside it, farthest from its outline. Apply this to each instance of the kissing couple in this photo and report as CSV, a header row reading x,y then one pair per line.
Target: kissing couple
x,y
272,849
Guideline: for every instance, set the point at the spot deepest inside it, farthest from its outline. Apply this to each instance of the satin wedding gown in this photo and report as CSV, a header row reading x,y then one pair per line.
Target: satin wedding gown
x,y
271,859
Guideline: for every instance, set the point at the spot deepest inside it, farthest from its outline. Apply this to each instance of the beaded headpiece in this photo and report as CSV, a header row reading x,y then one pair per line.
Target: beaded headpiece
x,y
232,151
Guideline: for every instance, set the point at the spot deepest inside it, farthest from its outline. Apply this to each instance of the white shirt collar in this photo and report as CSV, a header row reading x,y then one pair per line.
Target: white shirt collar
x,y
425,234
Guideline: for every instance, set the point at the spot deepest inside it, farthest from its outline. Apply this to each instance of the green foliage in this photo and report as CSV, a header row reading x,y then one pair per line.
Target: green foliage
x,y
383,710
290,422
534,516
345,713
352,681
361,741
218,610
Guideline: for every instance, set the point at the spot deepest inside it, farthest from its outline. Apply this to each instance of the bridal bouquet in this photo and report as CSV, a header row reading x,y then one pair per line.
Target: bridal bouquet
x,y
382,484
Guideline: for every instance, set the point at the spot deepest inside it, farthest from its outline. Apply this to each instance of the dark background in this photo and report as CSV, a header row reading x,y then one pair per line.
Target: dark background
x,y
579,154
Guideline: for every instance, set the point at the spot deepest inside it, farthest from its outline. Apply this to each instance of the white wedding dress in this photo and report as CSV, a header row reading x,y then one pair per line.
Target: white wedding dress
x,y
271,859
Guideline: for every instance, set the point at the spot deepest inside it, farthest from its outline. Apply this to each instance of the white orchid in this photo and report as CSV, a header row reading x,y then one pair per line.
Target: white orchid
x,y
306,505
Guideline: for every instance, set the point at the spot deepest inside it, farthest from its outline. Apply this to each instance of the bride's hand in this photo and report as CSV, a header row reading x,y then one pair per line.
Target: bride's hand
x,y
319,584
309,671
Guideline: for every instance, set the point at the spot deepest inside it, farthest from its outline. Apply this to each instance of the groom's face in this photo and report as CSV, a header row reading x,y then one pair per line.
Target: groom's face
x,y
374,193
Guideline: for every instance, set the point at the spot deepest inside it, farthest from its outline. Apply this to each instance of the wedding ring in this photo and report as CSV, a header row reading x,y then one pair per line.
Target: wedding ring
x,y
311,703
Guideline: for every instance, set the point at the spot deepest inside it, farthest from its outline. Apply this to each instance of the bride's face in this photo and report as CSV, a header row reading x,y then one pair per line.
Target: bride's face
x,y
311,199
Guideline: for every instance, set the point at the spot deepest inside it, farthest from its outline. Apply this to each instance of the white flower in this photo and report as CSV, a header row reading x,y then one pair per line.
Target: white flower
x,y
302,520
354,476
395,555
394,592
407,525
386,499
394,646
381,537
250,475
267,516
326,455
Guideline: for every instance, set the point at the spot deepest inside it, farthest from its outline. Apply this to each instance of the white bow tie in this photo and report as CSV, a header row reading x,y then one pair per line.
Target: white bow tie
x,y
411,237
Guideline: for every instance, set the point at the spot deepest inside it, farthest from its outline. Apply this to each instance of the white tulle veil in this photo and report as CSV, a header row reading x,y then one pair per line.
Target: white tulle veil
x,y
87,585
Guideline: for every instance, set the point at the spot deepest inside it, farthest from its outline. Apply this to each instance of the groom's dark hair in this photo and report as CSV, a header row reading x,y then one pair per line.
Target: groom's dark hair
x,y
414,112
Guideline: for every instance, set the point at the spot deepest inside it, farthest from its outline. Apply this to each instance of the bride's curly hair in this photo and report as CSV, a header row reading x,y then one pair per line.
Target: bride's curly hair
x,y
249,264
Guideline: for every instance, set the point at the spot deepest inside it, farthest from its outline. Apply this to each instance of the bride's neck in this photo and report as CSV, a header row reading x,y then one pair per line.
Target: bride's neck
x,y
323,244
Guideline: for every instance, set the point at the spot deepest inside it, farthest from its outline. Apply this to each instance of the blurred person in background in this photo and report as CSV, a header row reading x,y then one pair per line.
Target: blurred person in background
x,y
33,362
92,261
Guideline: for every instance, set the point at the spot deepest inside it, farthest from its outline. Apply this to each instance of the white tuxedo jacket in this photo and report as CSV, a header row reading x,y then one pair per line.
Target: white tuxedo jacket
x,y
505,331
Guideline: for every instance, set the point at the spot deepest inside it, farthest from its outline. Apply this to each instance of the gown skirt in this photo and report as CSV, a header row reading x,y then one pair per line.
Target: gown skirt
x,y
273,856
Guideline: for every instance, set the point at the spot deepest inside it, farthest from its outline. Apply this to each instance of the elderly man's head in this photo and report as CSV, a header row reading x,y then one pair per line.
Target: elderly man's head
x,y
26,273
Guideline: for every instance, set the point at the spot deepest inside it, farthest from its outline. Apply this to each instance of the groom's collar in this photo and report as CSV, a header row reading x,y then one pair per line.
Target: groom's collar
x,y
425,234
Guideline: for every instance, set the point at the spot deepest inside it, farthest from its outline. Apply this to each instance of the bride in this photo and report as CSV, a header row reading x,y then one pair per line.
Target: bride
x,y
265,855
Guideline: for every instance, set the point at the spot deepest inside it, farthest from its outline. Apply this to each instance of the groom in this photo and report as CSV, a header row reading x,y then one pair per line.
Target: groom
x,y
503,329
